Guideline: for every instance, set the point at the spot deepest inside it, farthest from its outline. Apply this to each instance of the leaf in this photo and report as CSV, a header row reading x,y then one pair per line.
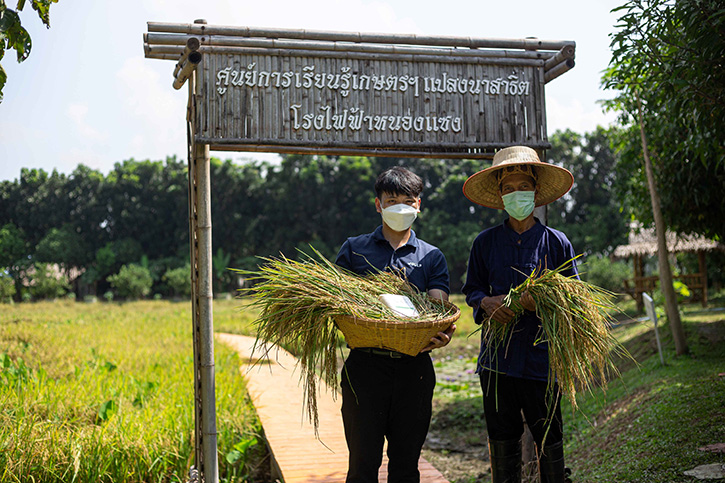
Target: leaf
x,y
107,410
22,44
245,444
233,456
8,20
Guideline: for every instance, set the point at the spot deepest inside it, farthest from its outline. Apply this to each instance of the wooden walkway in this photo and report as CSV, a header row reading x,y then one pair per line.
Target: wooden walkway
x,y
298,456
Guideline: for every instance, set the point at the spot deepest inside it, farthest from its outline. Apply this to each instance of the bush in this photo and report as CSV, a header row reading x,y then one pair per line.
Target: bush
x,y
46,283
7,288
179,280
132,281
605,273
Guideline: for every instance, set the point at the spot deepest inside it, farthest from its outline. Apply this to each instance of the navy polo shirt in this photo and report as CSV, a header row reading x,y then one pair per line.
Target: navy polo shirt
x,y
501,259
421,263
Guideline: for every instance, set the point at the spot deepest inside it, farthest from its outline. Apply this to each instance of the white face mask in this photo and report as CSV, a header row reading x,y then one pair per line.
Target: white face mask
x,y
399,217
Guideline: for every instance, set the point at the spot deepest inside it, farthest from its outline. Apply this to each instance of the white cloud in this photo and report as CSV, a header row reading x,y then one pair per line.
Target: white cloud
x,y
154,113
78,113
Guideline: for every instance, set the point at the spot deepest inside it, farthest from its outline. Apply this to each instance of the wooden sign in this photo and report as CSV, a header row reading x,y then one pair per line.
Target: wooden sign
x,y
342,93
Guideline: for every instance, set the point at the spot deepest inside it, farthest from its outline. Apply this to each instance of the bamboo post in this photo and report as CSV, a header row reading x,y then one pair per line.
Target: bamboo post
x,y
188,61
558,70
206,326
566,52
358,37
192,45
191,62
194,257
206,469
703,274
541,212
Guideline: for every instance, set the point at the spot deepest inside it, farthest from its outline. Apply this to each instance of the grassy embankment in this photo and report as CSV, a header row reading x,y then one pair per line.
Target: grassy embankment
x,y
645,427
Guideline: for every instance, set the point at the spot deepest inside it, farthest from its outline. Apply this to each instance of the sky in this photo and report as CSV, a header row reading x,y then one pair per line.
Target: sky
x,y
87,95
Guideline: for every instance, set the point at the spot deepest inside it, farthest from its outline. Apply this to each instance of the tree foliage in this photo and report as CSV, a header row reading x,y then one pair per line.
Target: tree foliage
x,y
670,56
47,284
132,281
590,214
137,214
14,36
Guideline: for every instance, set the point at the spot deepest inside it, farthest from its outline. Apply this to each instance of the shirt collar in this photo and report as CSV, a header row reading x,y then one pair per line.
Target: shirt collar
x,y
378,237
534,230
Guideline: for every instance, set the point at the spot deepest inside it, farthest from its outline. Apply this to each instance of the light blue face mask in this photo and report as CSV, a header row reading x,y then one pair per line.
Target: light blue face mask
x,y
519,204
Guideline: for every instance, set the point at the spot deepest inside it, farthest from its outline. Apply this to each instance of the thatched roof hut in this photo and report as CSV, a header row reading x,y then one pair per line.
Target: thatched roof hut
x,y
643,243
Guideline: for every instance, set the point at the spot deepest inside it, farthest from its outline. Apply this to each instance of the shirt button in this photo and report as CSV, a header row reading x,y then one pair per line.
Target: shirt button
x,y
519,242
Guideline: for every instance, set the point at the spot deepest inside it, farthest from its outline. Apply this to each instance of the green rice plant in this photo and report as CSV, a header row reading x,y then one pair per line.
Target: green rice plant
x,y
299,301
575,322
104,393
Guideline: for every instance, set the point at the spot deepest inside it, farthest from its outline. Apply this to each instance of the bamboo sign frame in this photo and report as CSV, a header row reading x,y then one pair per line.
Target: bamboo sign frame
x,y
299,91
275,90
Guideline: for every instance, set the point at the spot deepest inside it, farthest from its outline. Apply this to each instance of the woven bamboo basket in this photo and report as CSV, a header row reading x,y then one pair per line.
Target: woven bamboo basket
x,y
404,336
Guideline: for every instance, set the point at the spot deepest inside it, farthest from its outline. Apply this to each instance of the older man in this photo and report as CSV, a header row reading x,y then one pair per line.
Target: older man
x,y
514,378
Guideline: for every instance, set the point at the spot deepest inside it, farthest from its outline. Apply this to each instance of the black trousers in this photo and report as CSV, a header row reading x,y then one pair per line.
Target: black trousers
x,y
388,398
504,398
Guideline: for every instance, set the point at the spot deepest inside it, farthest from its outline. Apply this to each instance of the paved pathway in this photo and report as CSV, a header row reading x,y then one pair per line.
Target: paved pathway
x,y
299,457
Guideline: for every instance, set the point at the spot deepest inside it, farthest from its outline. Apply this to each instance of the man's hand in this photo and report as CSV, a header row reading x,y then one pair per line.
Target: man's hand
x,y
441,339
527,301
493,307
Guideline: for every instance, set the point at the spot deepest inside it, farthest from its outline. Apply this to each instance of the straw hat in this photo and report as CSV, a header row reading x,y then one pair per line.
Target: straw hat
x,y
552,181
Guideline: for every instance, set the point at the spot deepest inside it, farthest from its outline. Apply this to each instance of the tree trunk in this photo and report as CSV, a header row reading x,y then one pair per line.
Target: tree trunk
x,y
673,314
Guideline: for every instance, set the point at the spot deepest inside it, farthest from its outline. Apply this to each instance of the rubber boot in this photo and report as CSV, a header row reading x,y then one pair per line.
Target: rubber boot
x,y
505,461
551,464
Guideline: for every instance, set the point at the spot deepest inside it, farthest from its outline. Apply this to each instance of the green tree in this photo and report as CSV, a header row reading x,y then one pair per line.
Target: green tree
x,y
87,208
667,64
669,55
7,287
45,283
132,281
14,36
13,253
146,201
239,208
178,280
590,214
37,202
220,264
63,246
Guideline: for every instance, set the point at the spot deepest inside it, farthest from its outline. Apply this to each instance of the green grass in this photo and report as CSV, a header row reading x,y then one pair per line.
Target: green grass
x,y
648,426
645,426
104,392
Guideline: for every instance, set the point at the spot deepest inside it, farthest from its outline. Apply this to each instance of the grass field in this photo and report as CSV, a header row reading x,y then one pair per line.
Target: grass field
x,y
103,392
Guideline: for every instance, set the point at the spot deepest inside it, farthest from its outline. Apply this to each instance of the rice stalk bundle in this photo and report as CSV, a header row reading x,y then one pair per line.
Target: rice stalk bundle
x,y
575,321
299,301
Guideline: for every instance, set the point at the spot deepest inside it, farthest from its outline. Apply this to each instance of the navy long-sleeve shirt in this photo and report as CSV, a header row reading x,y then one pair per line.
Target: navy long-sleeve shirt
x,y
422,264
502,259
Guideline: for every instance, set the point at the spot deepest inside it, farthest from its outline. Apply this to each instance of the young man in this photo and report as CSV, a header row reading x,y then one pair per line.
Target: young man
x,y
386,394
514,379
